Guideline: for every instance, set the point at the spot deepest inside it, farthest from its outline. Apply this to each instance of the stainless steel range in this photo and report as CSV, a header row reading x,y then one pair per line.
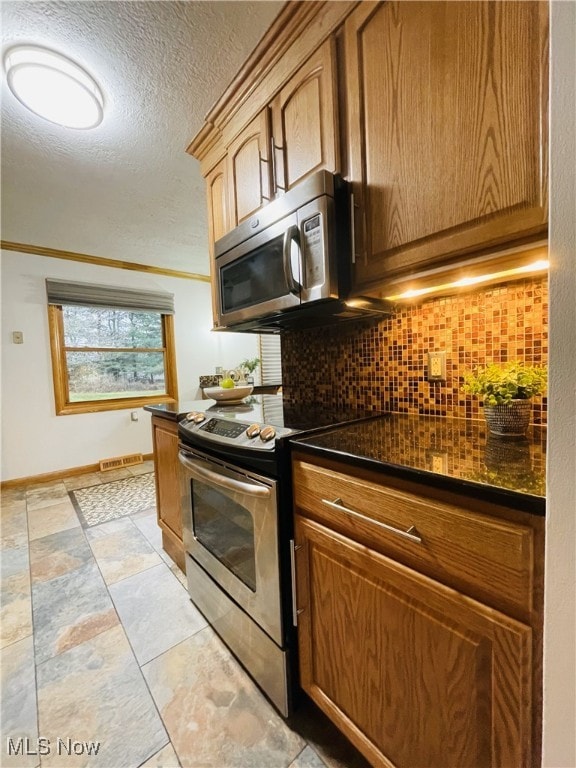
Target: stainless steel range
x,y
237,521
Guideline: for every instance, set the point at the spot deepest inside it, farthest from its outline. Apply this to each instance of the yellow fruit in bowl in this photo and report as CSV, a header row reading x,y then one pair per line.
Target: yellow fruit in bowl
x,y
227,383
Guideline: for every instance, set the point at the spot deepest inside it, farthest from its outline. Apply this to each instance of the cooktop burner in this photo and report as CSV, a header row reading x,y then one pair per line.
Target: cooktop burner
x,y
276,412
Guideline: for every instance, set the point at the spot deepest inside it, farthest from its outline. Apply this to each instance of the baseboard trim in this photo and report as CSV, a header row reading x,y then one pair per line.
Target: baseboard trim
x,y
51,476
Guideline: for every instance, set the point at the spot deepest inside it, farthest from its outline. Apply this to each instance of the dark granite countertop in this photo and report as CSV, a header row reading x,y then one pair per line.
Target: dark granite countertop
x,y
175,411
456,454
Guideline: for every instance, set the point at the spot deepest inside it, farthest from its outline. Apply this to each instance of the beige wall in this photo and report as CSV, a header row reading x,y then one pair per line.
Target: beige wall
x,y
34,440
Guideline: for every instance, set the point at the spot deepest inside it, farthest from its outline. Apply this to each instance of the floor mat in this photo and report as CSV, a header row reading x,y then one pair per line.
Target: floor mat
x,y
108,501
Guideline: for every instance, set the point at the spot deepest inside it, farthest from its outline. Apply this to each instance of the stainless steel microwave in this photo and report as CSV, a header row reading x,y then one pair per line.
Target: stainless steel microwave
x,y
290,264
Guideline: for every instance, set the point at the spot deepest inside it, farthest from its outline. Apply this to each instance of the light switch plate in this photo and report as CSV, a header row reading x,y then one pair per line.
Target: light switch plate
x,y
436,366
17,337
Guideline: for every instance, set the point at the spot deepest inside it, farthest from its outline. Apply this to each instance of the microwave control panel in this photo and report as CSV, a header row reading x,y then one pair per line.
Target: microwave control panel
x,y
313,248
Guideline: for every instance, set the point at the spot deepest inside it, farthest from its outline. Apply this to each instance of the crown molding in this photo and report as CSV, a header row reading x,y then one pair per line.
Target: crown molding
x,y
300,27
54,253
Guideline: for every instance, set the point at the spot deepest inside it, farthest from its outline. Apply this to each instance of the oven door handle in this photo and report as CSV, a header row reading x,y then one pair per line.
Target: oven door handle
x,y
198,471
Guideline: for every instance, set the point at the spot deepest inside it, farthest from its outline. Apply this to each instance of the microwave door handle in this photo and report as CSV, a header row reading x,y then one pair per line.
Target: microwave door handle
x,y
291,234
199,472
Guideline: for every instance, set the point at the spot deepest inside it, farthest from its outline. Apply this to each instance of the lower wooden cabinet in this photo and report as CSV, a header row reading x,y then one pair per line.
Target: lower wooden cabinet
x,y
416,672
165,445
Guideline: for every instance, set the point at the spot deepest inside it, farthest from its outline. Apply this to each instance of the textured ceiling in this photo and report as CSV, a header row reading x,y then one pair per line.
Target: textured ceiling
x,y
126,189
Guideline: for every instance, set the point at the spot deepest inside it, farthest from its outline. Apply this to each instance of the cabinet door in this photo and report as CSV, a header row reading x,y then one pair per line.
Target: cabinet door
x,y
413,672
249,169
305,121
217,194
447,121
167,474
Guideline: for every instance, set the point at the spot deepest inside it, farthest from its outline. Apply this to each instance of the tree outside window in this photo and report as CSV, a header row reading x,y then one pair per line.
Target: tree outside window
x,y
106,359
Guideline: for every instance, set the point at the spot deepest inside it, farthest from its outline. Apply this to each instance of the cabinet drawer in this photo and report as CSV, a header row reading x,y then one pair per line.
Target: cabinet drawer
x,y
485,557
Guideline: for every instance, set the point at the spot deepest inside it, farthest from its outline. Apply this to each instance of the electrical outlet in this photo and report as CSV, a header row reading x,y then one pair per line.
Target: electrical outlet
x,y
439,462
436,366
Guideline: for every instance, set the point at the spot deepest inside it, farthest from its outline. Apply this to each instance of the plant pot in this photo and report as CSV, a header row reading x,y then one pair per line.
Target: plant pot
x,y
510,420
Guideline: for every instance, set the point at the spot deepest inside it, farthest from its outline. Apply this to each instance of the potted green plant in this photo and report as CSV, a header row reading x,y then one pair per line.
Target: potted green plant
x,y
506,390
248,367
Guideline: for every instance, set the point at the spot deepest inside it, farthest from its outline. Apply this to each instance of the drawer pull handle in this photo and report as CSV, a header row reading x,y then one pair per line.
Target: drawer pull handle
x,y
411,534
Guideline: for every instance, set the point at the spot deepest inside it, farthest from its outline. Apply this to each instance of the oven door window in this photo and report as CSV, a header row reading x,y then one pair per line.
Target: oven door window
x,y
226,529
230,530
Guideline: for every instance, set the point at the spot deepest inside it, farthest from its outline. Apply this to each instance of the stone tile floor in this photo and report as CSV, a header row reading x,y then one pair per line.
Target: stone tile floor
x,y
106,663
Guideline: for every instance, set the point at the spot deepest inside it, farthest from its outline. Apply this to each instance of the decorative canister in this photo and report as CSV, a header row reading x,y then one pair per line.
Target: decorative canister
x,y
510,419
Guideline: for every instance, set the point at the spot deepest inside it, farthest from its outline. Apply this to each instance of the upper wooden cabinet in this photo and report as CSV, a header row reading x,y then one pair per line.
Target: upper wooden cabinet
x,y
446,126
305,121
442,110
294,136
248,160
217,194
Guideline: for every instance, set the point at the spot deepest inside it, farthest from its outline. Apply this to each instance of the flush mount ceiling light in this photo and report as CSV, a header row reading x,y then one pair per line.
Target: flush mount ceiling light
x,y
53,87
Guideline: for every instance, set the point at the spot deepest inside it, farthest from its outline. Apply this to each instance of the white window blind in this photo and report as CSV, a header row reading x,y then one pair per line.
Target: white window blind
x,y
270,358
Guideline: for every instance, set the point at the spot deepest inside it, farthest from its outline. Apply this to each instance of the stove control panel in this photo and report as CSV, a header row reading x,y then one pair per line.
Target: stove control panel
x,y
222,428
227,431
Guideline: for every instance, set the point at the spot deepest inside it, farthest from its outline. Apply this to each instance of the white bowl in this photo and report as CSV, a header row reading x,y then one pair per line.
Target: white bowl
x,y
234,393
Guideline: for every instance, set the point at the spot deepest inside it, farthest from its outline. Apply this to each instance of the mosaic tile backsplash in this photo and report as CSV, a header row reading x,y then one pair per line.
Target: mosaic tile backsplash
x,y
383,366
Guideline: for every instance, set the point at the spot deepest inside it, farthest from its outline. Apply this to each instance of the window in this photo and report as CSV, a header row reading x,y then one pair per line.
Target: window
x,y
111,348
270,358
